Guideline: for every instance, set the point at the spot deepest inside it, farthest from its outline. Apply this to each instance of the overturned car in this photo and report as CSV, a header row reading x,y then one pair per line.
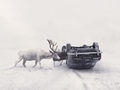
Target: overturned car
x,y
83,56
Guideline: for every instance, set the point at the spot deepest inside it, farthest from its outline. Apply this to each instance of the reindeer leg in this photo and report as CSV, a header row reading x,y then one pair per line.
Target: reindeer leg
x,y
39,60
61,62
40,63
54,63
24,61
35,63
17,62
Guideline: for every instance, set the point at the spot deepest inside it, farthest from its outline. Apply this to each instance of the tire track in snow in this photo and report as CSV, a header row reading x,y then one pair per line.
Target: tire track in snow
x,y
53,81
103,84
80,77
63,80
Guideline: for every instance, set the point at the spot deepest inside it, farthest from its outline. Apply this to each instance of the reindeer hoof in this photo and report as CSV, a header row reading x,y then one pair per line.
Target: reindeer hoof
x,y
33,66
24,66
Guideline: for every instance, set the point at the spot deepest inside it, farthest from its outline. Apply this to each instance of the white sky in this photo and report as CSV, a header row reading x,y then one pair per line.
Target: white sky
x,y
28,23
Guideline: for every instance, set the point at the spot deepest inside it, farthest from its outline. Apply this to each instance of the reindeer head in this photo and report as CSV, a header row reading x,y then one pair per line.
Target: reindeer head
x,y
53,49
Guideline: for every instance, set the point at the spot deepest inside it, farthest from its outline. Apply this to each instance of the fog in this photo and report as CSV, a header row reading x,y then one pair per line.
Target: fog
x,y
26,24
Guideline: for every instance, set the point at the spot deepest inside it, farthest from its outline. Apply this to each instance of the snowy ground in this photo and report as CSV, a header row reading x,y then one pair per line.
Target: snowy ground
x,y
26,24
104,76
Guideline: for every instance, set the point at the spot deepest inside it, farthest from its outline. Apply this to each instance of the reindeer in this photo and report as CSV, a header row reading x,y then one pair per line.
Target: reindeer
x,y
36,55
53,49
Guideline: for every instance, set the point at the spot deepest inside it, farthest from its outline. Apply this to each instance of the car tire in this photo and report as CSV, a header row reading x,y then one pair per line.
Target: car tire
x,y
64,49
95,45
68,46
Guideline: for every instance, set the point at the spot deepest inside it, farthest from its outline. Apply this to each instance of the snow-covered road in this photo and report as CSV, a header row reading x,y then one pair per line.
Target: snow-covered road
x,y
58,78
104,76
26,24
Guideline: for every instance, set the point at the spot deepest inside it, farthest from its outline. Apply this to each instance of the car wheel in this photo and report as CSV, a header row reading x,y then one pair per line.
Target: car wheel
x,y
68,46
64,49
95,45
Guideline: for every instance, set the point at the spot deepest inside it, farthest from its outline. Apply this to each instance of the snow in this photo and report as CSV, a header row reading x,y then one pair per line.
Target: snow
x,y
26,24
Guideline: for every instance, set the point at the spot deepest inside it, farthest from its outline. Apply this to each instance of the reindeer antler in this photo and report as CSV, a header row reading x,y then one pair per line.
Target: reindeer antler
x,y
53,46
